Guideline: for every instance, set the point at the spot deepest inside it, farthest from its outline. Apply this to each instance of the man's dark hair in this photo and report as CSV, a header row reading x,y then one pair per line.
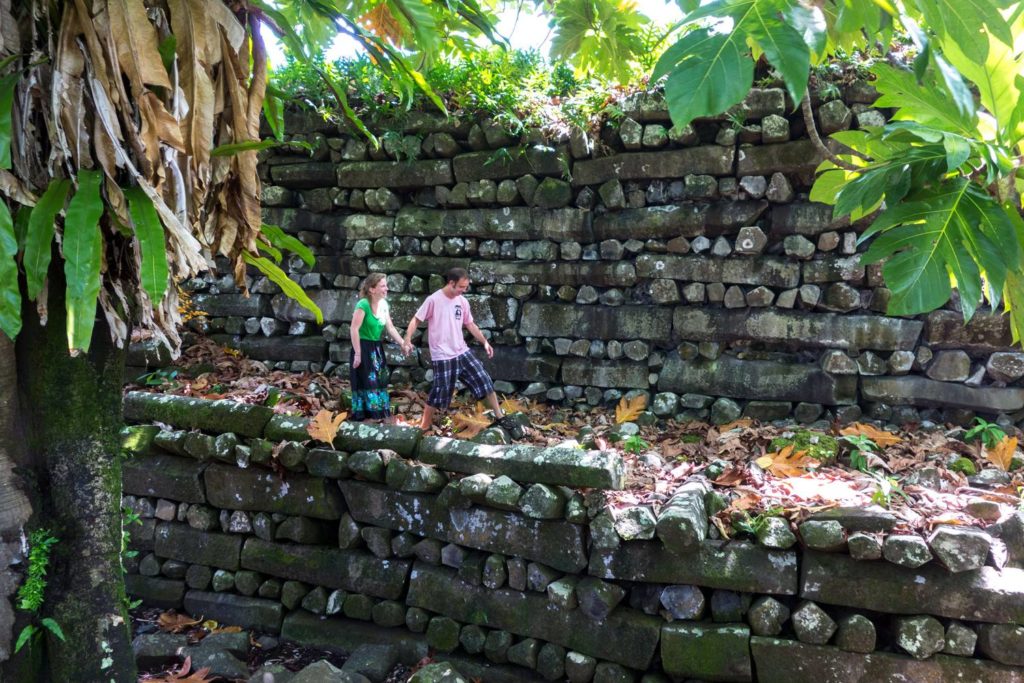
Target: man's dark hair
x,y
455,274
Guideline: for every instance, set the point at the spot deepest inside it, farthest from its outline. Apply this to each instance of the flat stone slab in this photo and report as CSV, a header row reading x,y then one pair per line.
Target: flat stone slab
x,y
564,466
712,652
984,333
359,436
517,161
261,490
508,223
733,565
800,156
554,543
155,591
677,220
920,391
182,542
356,571
592,322
402,175
756,379
573,273
789,661
705,160
627,637
770,271
164,476
805,218
816,330
985,594
196,413
345,635
236,610
610,374
312,349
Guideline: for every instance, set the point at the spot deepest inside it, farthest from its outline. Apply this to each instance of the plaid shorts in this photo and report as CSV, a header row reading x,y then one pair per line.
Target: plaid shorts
x,y
466,368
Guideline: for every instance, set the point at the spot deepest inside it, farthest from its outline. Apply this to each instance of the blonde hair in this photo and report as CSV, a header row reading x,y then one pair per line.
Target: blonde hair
x,y
369,283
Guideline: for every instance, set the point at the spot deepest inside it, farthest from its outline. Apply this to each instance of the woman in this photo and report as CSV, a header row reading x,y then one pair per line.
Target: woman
x,y
370,400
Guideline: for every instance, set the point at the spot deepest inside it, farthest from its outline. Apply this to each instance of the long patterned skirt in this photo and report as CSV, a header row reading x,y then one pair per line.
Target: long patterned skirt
x,y
370,400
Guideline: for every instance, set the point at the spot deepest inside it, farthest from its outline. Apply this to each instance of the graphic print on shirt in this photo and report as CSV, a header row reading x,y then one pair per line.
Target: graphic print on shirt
x,y
458,311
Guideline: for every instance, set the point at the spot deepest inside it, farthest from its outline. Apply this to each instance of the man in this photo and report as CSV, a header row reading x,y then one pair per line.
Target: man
x,y
446,312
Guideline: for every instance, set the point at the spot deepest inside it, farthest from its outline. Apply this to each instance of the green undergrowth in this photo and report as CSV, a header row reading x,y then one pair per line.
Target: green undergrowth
x,y
819,446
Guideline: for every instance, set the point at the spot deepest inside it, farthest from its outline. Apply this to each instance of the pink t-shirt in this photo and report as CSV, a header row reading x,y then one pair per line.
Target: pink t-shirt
x,y
445,318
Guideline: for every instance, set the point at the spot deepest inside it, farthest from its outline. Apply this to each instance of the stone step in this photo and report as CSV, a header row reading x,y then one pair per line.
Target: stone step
x,y
562,466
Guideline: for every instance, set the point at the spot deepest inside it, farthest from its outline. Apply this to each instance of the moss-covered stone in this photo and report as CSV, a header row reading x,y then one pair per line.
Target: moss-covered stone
x,y
182,542
352,570
252,489
359,436
566,466
165,476
734,565
236,610
985,594
788,661
344,636
557,543
155,592
196,413
626,636
713,652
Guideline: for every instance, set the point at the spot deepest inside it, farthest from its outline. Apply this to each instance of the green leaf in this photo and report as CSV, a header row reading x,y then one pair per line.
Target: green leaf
x,y
10,294
270,250
958,150
783,46
273,112
167,49
715,73
925,103
21,224
962,21
39,238
997,79
155,272
955,85
82,247
282,240
53,627
810,23
7,85
934,236
287,285
602,36
24,636
249,145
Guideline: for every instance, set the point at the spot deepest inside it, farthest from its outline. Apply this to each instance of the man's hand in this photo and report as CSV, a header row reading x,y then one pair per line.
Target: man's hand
x,y
355,362
488,349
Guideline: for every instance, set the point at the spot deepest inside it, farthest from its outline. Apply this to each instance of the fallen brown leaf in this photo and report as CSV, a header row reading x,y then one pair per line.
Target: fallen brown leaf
x,y
1001,455
881,437
172,622
786,462
472,423
629,409
324,426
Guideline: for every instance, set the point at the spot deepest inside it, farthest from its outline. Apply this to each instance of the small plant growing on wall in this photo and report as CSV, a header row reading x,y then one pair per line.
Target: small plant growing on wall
x,y
32,592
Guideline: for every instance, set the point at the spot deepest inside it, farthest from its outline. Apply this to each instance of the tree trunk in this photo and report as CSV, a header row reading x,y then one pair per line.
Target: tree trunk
x,y
73,412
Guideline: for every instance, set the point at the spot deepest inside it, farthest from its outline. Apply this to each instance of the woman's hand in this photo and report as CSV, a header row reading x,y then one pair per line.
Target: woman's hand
x,y
355,362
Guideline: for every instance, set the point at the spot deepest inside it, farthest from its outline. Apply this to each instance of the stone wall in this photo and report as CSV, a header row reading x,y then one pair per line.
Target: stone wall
x,y
504,561
688,263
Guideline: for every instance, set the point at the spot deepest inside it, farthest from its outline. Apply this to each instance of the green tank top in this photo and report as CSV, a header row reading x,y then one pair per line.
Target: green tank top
x,y
372,326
